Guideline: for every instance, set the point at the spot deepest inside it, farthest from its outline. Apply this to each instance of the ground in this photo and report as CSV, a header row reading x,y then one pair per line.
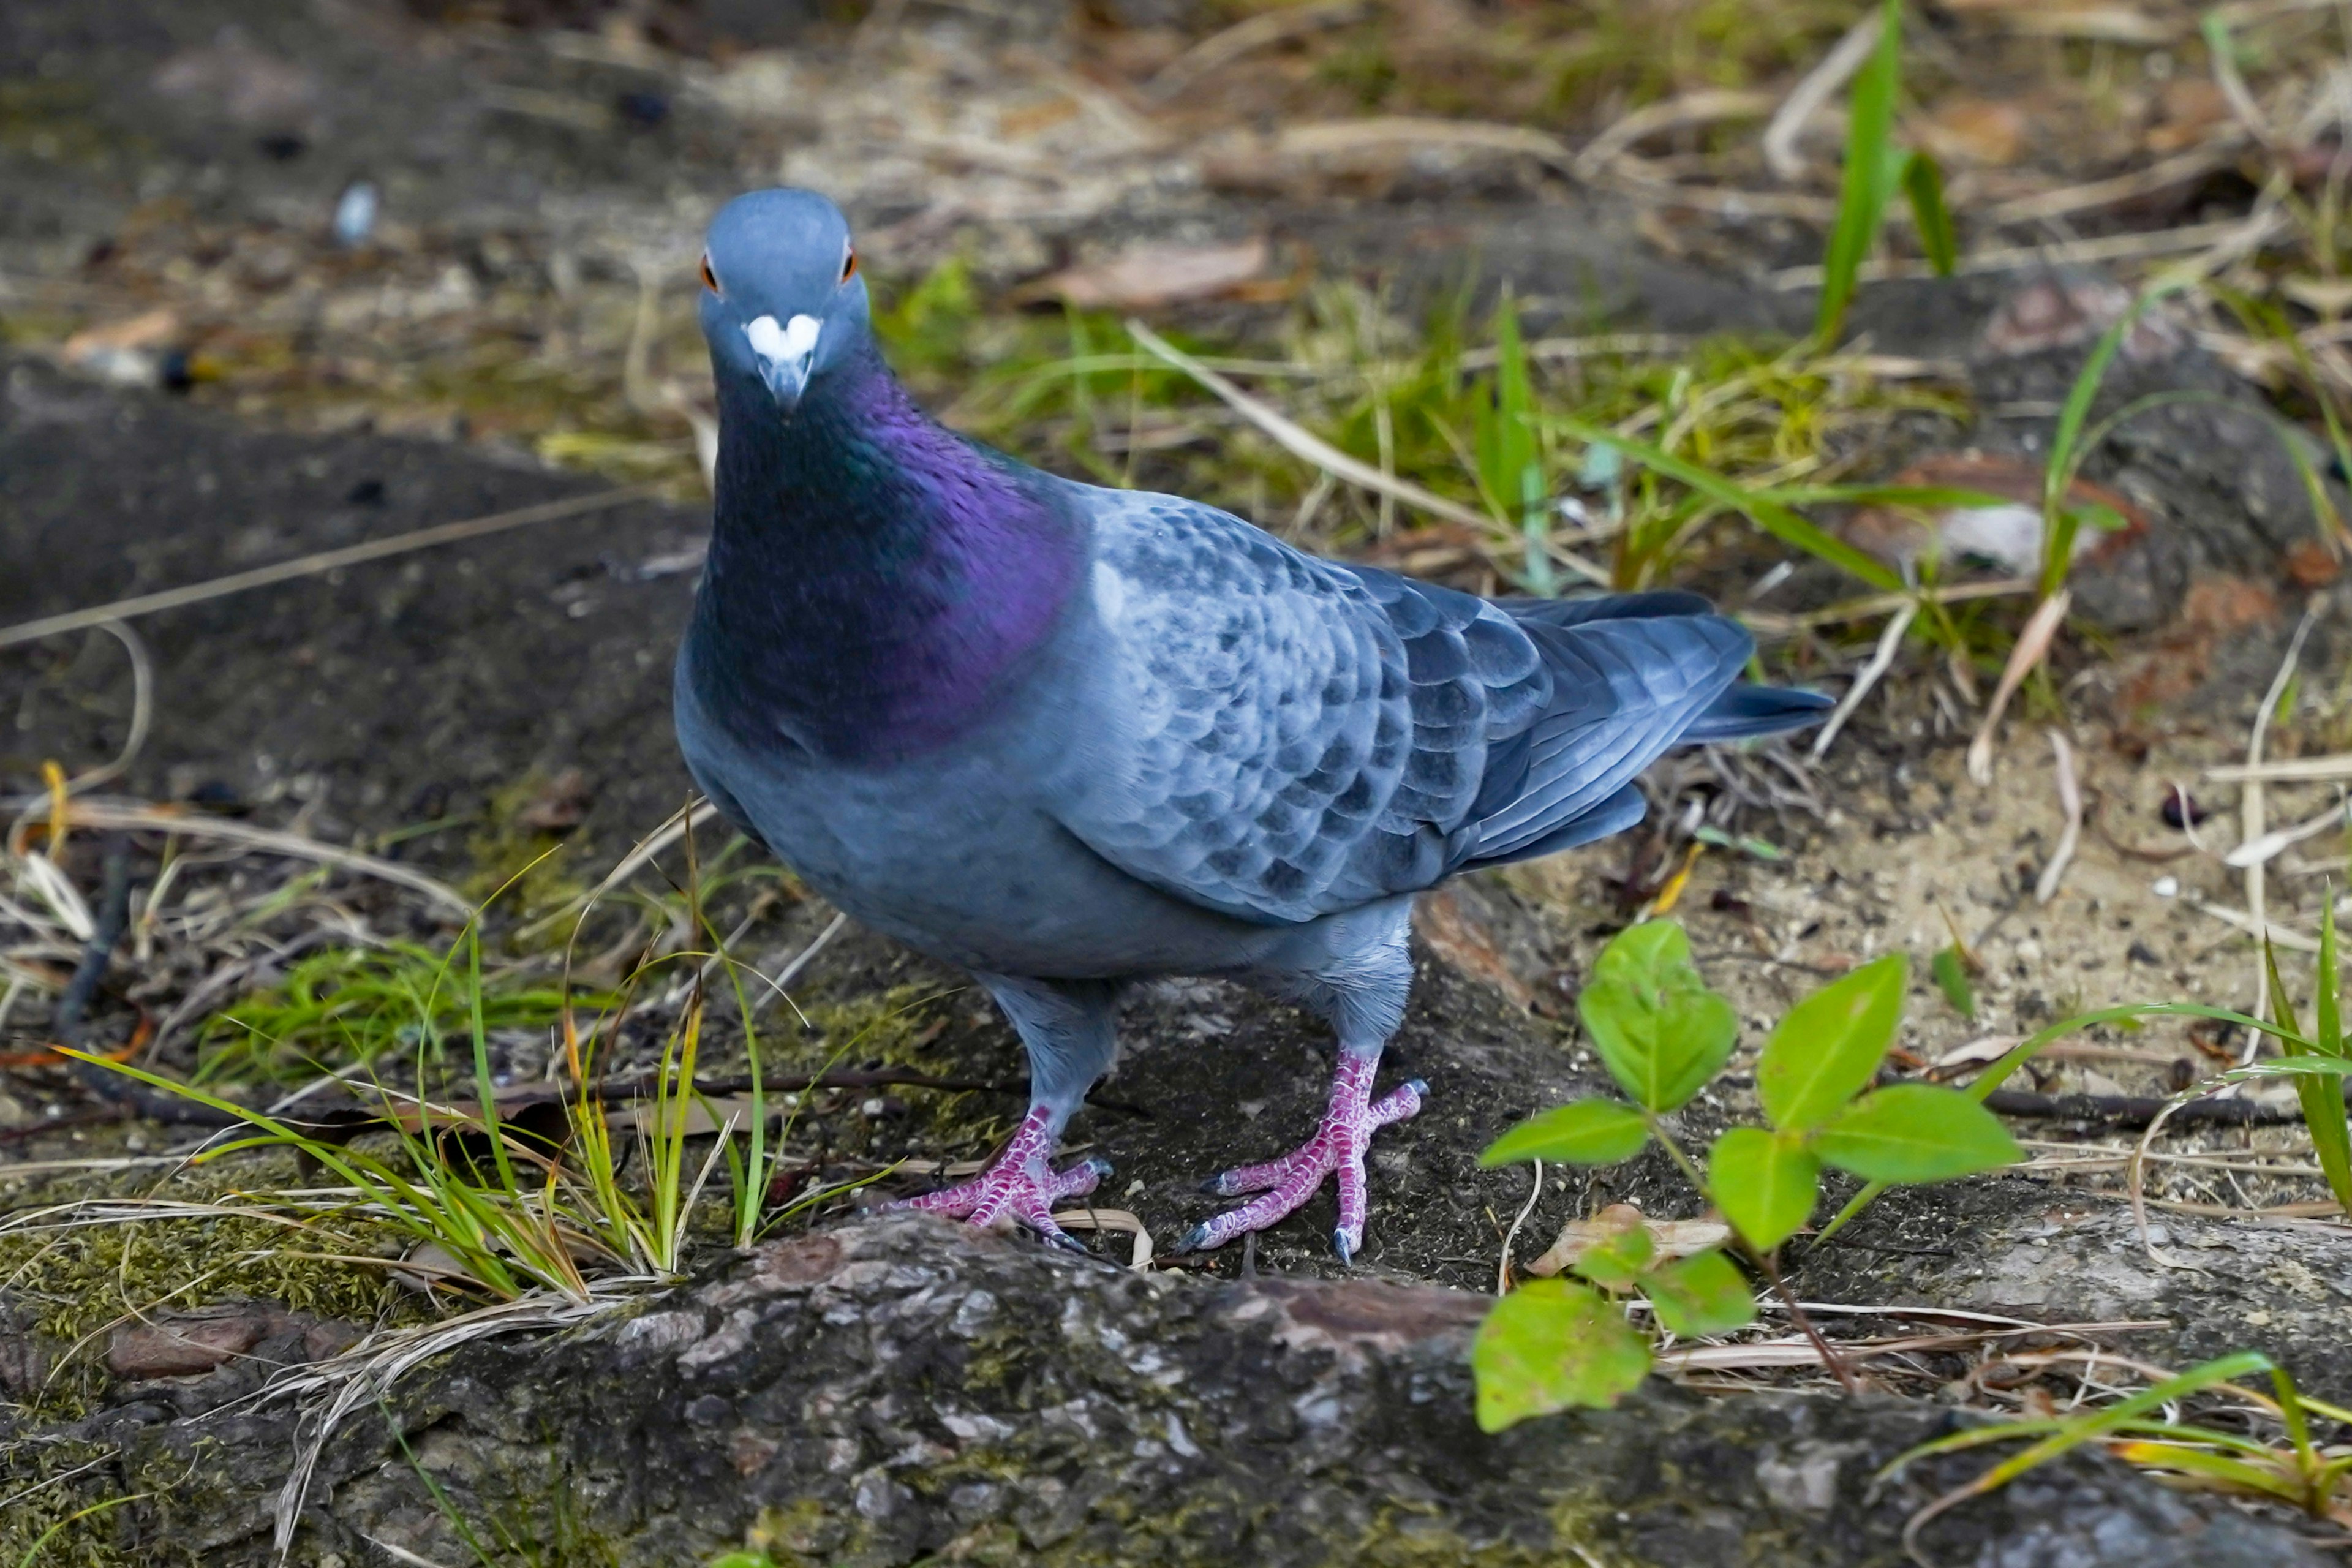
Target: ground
x,y
514,332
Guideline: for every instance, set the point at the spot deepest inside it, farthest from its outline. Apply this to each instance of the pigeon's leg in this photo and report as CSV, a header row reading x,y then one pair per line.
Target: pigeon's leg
x,y
1359,980
1067,1026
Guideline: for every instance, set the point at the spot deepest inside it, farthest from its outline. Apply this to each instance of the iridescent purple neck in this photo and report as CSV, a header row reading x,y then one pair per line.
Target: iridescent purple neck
x,y
877,583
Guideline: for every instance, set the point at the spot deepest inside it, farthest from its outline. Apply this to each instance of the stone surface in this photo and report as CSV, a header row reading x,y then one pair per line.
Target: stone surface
x,y
904,1390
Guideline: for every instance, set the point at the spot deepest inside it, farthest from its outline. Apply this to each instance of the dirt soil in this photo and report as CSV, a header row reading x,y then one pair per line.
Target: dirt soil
x,y
443,687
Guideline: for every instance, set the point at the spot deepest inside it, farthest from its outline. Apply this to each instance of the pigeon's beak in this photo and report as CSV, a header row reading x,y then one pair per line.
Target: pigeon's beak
x,y
785,355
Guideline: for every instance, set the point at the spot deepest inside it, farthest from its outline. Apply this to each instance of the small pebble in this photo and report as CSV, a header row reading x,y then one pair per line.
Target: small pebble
x,y
2166,888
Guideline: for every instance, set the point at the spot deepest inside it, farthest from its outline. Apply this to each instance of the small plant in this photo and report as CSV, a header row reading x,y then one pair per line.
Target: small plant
x,y
1876,168
1663,1036
351,1004
2145,1430
1510,460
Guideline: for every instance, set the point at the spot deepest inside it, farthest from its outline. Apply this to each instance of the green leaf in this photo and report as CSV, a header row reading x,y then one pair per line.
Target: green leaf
x,y
1551,1344
1659,1032
1951,972
1616,1260
1922,184
1829,1047
1764,1182
1916,1132
1582,1132
2323,1098
1862,199
1703,1294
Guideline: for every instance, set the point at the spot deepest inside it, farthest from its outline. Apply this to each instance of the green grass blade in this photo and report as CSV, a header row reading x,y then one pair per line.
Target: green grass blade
x,y
2066,446
2322,1102
1922,184
1862,196
1767,514
2074,1432
2235,1474
33,1551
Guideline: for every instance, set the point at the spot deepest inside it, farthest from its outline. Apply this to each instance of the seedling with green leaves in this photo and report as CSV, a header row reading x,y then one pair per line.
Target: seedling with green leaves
x,y
1663,1036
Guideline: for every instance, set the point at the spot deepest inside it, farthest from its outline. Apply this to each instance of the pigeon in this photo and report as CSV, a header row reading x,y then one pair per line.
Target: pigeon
x,y
1072,738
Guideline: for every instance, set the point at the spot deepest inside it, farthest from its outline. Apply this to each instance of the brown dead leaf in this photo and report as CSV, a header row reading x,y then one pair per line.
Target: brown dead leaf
x,y
2188,108
1978,130
2009,535
557,805
1672,1238
1147,276
2312,564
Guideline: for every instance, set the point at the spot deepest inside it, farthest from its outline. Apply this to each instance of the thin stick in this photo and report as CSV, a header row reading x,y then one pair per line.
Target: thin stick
x,y
142,711
1769,623
2252,807
1503,1268
2298,770
1245,37
106,815
323,561
1890,642
2188,239
1303,444
1704,107
1797,111
2070,801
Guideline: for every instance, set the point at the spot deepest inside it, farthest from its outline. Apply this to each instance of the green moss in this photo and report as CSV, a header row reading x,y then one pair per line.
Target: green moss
x,y
75,1284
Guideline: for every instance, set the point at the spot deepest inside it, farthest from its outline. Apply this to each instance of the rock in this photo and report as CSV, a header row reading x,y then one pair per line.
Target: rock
x,y
904,1390
182,1344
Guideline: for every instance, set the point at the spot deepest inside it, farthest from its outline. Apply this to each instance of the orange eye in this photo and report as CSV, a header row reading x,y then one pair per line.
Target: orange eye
x,y
710,278
849,266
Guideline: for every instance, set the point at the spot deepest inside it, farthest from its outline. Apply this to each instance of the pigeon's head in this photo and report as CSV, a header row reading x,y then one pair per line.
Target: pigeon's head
x,y
782,299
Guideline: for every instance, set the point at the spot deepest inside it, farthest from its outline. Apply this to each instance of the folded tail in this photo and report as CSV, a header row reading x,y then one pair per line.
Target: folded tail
x,y
1744,711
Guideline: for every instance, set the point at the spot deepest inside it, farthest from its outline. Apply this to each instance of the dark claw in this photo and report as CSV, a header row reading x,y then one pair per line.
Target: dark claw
x,y
1098,1166
1215,1186
1418,1085
1193,1240
1064,1240
1340,1245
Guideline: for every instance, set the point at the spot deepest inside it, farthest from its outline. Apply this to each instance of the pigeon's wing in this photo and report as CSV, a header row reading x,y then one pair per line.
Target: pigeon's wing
x,y
1279,737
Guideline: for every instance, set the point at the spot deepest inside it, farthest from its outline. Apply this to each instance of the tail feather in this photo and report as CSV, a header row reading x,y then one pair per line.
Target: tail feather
x,y
1746,710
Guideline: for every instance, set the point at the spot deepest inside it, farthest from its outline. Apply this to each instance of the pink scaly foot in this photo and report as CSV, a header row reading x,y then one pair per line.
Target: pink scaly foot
x,y
1336,1150
1019,1184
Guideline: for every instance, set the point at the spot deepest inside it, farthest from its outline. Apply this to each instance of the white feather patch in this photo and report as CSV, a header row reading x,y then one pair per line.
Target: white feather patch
x,y
787,344
1110,592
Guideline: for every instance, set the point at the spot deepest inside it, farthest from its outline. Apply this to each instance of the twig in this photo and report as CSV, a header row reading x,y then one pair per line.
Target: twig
x,y
1245,37
1769,623
2188,239
2138,1110
1503,1268
2070,801
323,561
109,815
1703,107
1303,444
1890,641
2297,770
1805,101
